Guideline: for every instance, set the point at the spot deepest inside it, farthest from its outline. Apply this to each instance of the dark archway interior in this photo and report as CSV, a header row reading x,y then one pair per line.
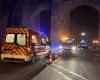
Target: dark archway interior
x,y
84,19
45,22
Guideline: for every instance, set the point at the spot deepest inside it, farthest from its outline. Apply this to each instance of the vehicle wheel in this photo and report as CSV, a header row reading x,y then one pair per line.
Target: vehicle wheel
x,y
33,60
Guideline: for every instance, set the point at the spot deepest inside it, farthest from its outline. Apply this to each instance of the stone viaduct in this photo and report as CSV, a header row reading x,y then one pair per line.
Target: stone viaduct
x,y
27,13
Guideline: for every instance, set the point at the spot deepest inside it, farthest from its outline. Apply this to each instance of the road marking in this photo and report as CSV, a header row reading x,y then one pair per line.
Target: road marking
x,y
64,76
70,72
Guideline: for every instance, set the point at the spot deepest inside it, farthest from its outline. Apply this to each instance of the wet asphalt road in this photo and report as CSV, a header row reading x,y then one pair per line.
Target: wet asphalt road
x,y
82,65
20,71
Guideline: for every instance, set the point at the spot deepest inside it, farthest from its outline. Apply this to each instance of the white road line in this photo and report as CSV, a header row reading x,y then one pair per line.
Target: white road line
x,y
70,72
64,76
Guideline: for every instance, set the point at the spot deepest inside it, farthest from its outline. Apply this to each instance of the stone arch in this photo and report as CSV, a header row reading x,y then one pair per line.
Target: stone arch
x,y
34,18
61,17
24,11
67,7
73,5
90,19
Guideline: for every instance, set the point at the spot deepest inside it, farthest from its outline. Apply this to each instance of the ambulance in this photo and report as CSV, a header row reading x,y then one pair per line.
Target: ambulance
x,y
23,44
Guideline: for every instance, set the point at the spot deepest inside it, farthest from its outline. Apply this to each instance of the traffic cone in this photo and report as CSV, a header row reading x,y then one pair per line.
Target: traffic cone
x,y
50,59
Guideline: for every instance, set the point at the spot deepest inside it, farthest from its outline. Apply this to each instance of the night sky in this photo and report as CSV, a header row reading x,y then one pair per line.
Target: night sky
x,y
85,19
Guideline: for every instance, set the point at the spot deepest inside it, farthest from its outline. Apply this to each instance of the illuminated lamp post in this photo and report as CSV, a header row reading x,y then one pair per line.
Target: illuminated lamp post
x,y
64,39
83,34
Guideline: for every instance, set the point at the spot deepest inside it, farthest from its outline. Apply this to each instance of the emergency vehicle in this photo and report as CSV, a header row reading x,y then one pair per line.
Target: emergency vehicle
x,y
23,44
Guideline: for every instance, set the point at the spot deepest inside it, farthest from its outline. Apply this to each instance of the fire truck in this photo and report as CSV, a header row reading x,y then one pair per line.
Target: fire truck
x,y
23,44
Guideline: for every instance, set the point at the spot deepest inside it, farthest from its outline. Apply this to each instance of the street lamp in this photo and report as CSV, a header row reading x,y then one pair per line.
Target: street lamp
x,y
83,34
64,39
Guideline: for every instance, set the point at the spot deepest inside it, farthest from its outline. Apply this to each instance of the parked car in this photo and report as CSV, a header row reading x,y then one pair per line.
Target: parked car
x,y
83,47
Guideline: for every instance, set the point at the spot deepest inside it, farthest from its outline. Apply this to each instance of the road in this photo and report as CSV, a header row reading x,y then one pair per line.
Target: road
x,y
82,65
20,71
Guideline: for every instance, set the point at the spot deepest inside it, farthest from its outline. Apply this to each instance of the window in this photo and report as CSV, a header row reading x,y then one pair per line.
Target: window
x,y
34,39
43,41
21,39
10,38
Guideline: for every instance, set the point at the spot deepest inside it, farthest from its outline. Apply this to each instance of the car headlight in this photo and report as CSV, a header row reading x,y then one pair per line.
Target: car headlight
x,y
73,48
60,47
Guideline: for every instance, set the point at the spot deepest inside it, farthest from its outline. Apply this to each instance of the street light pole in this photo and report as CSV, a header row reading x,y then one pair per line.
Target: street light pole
x,y
82,39
83,34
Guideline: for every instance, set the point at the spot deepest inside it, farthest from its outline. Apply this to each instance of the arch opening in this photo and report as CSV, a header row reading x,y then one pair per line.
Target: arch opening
x,y
84,19
45,21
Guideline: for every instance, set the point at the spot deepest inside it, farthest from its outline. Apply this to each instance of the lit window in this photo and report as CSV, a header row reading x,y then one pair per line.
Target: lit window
x,y
43,41
34,39
21,39
10,38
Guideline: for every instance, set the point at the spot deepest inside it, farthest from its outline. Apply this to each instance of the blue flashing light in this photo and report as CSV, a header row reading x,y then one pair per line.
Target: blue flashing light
x,y
42,33
43,30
